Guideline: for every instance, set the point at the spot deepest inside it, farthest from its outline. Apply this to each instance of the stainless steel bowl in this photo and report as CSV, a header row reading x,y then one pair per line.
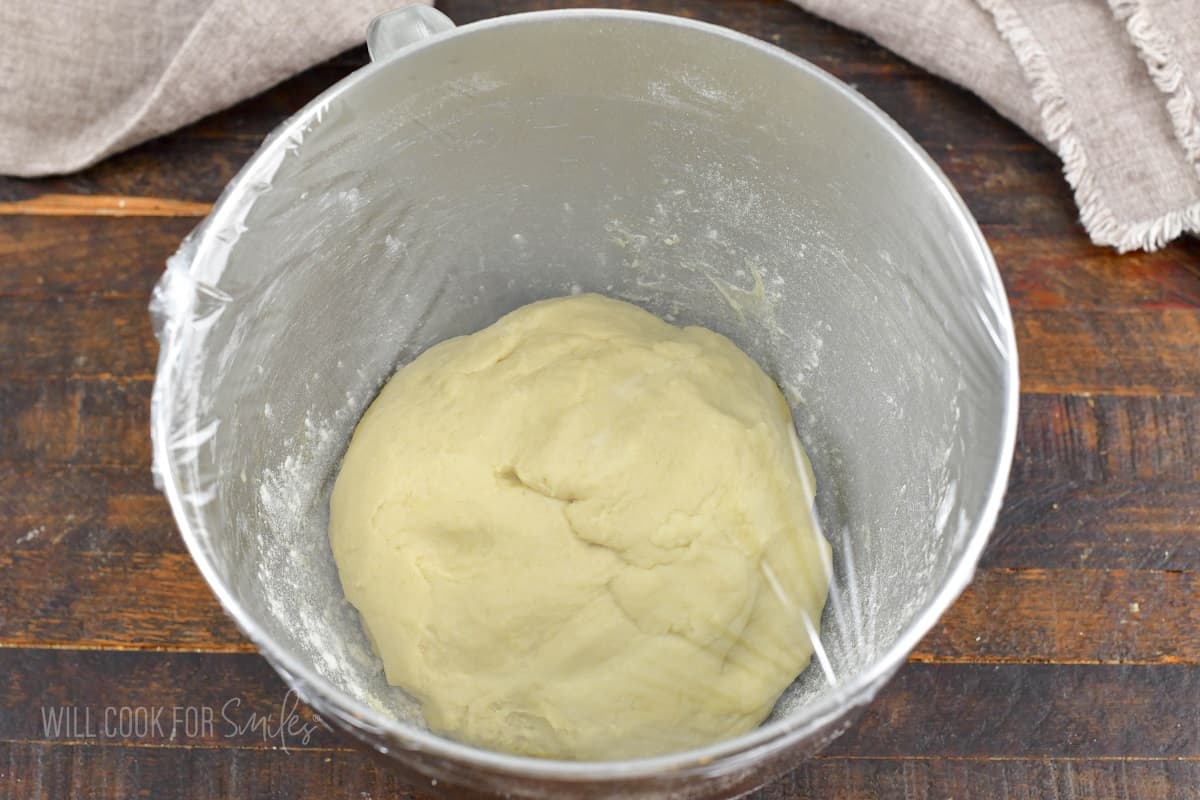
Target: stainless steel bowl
x,y
704,175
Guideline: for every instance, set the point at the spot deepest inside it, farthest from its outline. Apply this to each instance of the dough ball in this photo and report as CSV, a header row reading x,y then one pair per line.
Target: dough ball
x,y
583,533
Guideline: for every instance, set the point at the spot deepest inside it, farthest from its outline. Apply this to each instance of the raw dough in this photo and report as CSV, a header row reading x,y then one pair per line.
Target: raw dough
x,y
583,533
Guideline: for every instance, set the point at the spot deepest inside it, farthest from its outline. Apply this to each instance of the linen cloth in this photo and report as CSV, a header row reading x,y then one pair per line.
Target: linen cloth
x,y
1112,85
83,79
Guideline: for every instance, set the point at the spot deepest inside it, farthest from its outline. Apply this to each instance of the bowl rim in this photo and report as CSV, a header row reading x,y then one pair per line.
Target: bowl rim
x,y
770,736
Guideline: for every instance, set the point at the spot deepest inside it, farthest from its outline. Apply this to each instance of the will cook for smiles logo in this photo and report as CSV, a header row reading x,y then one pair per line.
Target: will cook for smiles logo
x,y
280,727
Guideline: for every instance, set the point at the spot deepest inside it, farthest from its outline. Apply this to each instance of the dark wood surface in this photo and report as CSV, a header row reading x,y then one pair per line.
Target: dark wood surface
x,y
1069,669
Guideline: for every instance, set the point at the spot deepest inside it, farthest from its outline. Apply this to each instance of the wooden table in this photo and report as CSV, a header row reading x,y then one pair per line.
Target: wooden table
x,y
1069,669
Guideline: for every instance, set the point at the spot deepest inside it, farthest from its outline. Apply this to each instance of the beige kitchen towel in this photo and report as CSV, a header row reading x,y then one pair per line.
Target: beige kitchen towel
x,y
82,79
1111,85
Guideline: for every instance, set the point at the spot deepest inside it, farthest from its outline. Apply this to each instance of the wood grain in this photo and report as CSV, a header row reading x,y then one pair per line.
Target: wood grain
x,y
938,710
34,687
48,257
1131,440
1032,710
1063,351
1006,616
1098,525
1071,273
1097,482
78,421
1101,524
102,205
109,508
122,257
1058,778
199,167
75,770
1062,441
36,771
98,600
95,337
1015,611
1082,352
1071,616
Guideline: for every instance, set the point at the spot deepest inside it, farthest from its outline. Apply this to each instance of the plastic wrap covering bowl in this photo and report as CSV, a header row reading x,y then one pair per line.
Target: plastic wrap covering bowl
x,y
703,175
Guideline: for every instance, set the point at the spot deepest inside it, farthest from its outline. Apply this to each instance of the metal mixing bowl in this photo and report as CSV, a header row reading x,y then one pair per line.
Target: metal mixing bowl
x,y
704,175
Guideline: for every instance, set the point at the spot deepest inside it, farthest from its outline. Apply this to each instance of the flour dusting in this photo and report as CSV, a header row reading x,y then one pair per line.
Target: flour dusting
x,y
296,569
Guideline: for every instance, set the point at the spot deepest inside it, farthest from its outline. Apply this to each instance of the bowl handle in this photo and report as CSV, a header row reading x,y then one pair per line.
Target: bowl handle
x,y
390,33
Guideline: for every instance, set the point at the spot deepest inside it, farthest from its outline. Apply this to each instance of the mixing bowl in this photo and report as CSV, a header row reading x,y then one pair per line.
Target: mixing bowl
x,y
701,174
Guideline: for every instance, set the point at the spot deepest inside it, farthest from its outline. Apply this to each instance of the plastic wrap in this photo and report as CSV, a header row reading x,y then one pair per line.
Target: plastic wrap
x,y
704,176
